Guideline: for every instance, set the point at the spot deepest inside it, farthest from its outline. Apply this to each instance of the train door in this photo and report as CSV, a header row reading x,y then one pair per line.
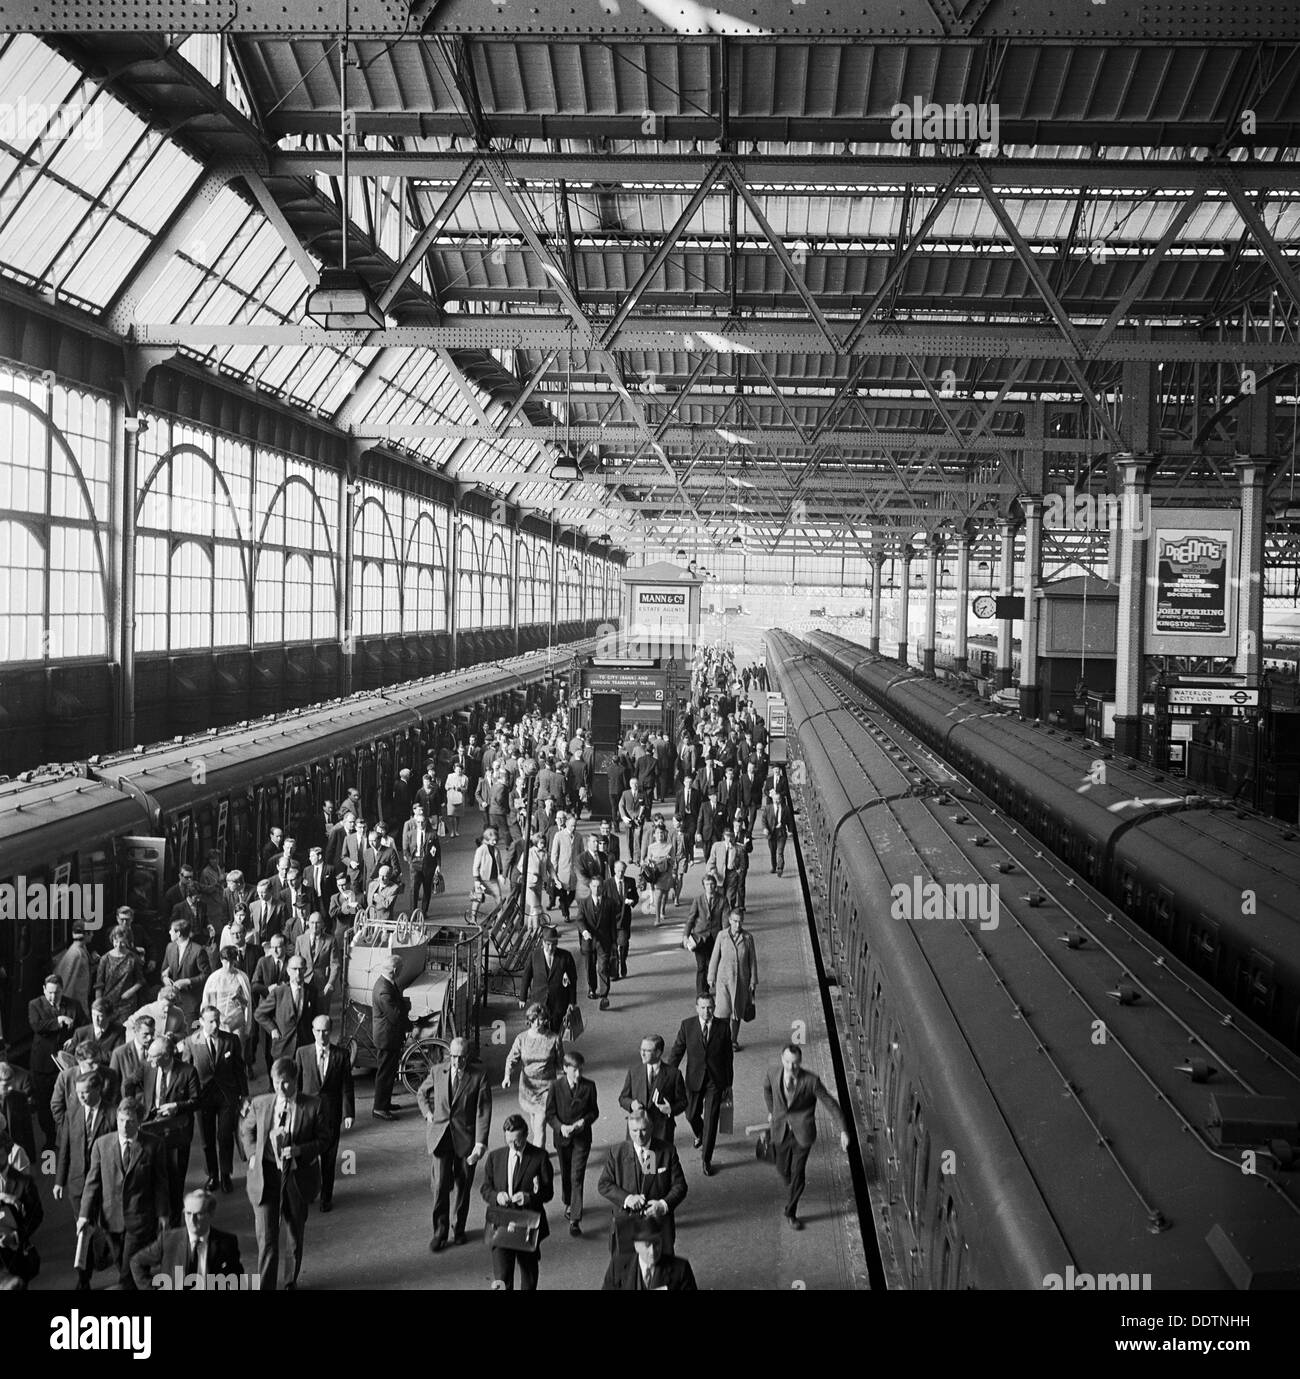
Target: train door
x,y
1204,947
26,950
384,776
342,780
366,783
1255,985
240,848
180,840
296,803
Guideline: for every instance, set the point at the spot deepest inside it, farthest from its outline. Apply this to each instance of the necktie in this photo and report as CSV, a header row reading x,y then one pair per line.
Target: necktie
x,y
324,1063
510,1176
192,1258
789,1088
127,1156
212,1050
454,1085
704,1030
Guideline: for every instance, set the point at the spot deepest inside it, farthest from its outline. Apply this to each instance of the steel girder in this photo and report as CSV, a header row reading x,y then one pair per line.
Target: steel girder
x,y
691,334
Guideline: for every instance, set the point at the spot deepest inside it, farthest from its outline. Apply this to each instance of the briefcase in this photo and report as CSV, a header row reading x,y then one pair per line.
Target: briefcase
x,y
764,1149
510,1229
572,1027
727,1113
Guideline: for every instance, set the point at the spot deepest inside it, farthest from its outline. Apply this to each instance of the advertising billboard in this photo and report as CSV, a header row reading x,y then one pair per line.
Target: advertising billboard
x,y
1192,565
657,605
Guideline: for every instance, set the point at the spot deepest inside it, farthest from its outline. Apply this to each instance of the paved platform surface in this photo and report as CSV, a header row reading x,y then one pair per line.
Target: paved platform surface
x,y
730,1226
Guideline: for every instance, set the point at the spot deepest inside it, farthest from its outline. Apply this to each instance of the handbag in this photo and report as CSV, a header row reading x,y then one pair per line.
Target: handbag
x,y
439,883
764,1149
727,1113
572,1026
511,1229
442,828
750,1011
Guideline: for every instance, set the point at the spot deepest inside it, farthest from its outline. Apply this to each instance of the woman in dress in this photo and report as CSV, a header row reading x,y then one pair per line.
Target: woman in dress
x,y
455,786
538,1052
659,862
120,975
733,973
231,992
538,871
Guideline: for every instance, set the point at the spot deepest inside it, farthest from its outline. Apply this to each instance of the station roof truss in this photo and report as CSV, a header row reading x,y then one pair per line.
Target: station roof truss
x,y
812,279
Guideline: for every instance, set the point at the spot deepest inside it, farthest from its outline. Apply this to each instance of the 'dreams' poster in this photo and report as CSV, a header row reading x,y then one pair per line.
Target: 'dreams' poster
x,y
1192,582
1192,585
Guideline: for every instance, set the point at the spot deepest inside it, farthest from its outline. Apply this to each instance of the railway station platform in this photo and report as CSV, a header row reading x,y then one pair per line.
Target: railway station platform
x,y
730,1227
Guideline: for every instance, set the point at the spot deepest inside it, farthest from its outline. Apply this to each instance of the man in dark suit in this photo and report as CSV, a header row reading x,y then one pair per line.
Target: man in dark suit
x,y
649,1270
706,821
571,1111
186,967
325,1071
705,1043
103,1029
170,1099
267,916
422,853
218,1061
687,813
128,1060
776,820
196,1252
283,1137
655,1089
390,1016
518,1177
16,1103
641,1178
703,925
318,882
89,1056
126,1189
320,953
791,1095
89,1117
51,1018
598,914
271,851
271,972
632,811
286,1012
552,978
456,1101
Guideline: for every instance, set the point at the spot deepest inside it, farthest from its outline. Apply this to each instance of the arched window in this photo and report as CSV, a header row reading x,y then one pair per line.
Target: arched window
x,y
469,581
424,576
524,584
496,585
376,586
542,593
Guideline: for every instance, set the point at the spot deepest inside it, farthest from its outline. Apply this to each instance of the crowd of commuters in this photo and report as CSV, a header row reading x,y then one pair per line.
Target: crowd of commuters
x,y
137,1050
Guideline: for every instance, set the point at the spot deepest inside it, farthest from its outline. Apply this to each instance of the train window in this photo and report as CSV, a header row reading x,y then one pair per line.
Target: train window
x,y
920,1165
1128,887
1162,912
1204,946
1255,984
1088,858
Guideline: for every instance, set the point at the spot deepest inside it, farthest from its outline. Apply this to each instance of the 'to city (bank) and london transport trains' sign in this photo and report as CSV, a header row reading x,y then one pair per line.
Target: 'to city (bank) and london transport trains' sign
x,y
1192,581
